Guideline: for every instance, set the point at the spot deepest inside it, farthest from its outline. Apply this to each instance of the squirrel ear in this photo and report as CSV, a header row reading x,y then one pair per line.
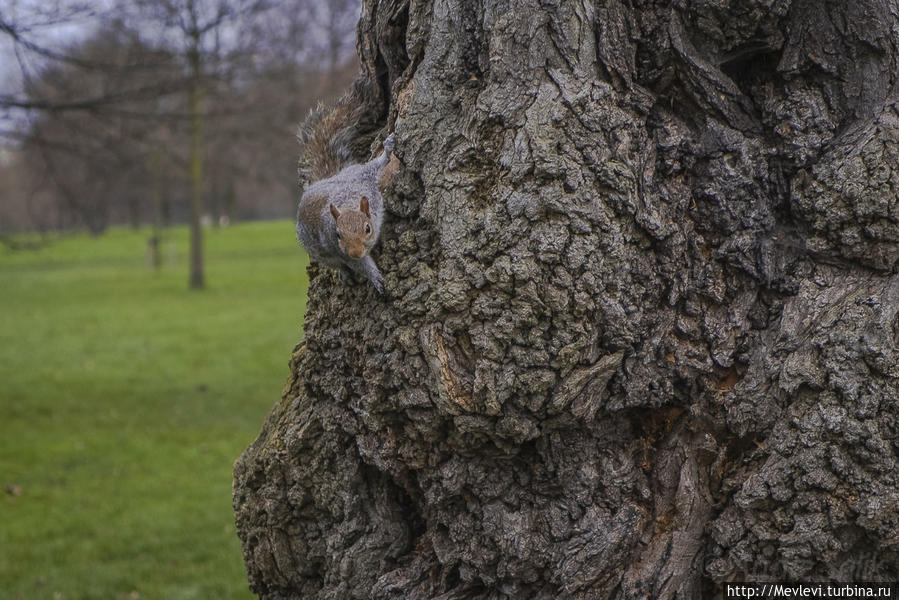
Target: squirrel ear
x,y
363,206
334,212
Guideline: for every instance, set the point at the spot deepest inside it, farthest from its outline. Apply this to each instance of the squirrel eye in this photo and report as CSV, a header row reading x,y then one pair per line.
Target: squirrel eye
x,y
338,233
367,228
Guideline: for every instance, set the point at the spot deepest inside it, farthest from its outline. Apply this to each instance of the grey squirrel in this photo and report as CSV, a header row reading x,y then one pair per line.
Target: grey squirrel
x,y
339,217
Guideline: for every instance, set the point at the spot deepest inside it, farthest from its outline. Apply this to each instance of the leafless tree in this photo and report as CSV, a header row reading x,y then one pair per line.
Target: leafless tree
x,y
126,94
197,27
95,156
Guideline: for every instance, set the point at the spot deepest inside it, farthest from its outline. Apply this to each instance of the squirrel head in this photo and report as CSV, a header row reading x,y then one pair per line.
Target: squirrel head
x,y
355,234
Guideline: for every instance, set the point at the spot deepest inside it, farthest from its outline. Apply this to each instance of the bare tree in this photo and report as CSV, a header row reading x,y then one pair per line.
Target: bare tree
x,y
27,32
85,110
198,27
94,157
123,92
313,34
639,335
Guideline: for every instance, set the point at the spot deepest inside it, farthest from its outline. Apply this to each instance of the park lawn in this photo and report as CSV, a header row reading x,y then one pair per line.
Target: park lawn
x,y
125,399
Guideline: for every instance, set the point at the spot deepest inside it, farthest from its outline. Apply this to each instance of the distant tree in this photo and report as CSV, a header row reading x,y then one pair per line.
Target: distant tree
x,y
26,30
196,29
91,115
95,158
336,17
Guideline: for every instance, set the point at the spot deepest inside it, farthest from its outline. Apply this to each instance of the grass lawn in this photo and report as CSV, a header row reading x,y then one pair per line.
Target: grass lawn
x,y
124,401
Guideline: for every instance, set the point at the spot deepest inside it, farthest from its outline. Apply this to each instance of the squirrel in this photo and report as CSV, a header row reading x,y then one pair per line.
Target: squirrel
x,y
339,216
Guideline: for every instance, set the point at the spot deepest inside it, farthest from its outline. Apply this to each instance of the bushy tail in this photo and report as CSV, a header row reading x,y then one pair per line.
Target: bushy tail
x,y
332,137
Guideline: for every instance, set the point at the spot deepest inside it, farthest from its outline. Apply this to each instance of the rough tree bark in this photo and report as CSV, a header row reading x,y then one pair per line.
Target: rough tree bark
x,y
642,313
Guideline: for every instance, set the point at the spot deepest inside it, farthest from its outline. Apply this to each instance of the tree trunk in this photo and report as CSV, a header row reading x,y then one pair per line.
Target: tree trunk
x,y
642,312
196,278
155,242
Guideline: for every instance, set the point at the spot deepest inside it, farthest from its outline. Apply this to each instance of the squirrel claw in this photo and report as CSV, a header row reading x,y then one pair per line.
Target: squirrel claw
x,y
379,285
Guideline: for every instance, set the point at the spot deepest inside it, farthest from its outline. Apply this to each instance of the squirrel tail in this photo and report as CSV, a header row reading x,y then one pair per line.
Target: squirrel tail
x,y
332,136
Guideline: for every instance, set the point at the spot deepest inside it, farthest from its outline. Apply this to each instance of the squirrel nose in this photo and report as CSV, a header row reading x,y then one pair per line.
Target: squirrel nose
x,y
356,252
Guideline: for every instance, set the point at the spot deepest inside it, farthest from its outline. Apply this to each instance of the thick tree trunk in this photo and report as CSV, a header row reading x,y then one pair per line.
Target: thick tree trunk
x,y
642,313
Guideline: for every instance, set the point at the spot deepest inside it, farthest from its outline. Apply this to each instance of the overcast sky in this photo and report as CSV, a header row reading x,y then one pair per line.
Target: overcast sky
x,y
57,24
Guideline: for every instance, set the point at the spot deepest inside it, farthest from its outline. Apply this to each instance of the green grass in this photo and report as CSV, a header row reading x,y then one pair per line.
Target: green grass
x,y
124,401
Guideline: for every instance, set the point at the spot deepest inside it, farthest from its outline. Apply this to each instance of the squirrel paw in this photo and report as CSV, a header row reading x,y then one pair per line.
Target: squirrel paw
x,y
378,282
388,144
